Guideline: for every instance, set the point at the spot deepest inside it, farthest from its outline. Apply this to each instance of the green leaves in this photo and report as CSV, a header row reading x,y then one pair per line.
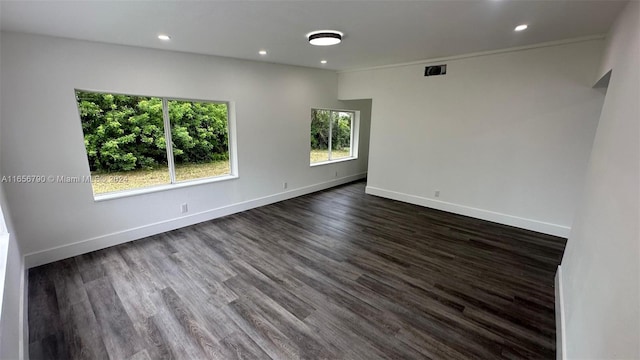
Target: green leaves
x,y
198,131
322,129
341,131
123,132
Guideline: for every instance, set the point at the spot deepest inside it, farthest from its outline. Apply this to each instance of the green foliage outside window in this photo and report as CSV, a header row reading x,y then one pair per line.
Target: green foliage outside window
x,y
123,132
340,130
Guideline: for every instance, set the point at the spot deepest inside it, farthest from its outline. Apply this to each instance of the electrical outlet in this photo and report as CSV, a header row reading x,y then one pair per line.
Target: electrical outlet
x,y
184,208
284,185
437,194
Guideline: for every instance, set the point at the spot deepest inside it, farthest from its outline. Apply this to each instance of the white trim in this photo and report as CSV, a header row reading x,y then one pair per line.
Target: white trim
x,y
481,53
151,189
333,161
331,116
529,224
171,162
561,336
104,241
232,141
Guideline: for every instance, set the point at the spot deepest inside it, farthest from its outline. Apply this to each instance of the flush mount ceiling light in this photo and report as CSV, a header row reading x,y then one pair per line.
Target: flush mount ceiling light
x,y
262,52
323,61
521,27
164,37
325,37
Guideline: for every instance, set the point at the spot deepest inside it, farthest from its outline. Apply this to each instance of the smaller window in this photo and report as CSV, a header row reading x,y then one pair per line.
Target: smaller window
x,y
333,136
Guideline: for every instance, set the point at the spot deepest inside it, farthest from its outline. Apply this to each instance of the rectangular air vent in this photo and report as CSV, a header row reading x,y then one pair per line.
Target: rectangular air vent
x,y
435,70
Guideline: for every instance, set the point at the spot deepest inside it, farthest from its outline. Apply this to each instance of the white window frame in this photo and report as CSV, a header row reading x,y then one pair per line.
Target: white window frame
x,y
174,184
355,131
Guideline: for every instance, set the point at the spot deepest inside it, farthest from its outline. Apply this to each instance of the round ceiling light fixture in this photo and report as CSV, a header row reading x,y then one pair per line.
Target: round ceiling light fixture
x,y
325,37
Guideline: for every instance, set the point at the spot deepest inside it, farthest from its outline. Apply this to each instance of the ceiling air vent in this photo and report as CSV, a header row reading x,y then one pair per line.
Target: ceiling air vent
x,y
435,70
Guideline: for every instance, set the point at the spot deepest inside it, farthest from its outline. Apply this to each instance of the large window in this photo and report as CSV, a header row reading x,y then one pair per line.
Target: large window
x,y
332,136
135,142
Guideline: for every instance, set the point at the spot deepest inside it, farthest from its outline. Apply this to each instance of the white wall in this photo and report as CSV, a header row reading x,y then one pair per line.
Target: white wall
x,y
503,136
42,135
12,277
600,268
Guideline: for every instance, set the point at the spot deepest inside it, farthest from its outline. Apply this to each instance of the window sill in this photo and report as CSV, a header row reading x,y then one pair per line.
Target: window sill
x,y
149,190
333,161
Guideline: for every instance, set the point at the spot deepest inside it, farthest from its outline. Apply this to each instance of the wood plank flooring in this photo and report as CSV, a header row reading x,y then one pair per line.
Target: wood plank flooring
x,y
332,275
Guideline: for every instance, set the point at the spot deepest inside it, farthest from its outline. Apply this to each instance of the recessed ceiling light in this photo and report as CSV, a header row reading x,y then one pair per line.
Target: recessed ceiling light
x,y
262,52
164,37
521,27
323,61
325,37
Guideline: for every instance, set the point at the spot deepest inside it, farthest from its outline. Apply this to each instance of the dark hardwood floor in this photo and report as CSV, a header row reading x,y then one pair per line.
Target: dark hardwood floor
x,y
331,275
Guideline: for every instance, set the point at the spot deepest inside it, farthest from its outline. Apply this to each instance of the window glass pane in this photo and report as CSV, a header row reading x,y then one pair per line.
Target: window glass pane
x,y
341,135
124,139
320,120
200,136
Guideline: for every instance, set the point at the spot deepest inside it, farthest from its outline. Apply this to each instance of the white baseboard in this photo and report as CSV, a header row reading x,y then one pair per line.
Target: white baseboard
x,y
108,240
529,224
561,350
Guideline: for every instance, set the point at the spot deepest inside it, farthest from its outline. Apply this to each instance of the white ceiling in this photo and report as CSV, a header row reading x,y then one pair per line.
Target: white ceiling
x,y
376,32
